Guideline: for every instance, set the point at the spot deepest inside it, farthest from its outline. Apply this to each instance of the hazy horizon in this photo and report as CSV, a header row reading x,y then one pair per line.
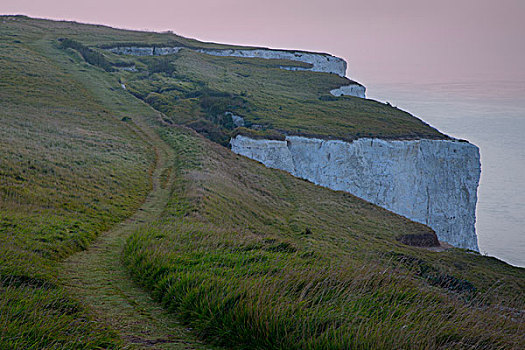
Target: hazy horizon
x,y
383,42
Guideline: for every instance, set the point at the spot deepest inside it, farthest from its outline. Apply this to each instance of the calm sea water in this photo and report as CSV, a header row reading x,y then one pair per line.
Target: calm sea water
x,y
492,116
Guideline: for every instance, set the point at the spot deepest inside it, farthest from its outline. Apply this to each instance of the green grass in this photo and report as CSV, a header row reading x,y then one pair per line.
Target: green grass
x,y
69,170
245,256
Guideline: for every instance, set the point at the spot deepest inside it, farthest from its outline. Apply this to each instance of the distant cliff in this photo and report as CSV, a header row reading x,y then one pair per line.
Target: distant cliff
x,y
320,62
433,182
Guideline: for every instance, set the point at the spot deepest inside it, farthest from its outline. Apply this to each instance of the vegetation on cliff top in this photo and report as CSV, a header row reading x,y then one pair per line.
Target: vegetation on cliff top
x,y
275,100
268,98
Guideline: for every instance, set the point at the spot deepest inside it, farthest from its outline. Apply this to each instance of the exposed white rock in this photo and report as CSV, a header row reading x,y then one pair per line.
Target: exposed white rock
x,y
135,51
130,69
144,51
356,90
237,119
159,51
433,182
320,62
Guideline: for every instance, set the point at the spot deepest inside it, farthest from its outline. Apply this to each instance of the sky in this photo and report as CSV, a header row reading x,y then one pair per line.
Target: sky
x,y
384,41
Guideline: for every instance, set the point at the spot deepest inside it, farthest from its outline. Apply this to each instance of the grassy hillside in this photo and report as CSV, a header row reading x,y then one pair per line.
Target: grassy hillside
x,y
197,89
247,257
69,169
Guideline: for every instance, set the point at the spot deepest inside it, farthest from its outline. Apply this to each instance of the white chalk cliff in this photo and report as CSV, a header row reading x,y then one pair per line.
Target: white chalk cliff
x,y
144,51
433,182
320,62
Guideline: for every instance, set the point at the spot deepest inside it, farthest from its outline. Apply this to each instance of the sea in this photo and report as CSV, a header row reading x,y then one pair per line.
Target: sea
x,y
491,115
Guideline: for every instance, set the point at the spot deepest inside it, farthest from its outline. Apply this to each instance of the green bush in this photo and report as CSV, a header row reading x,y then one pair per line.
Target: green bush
x,y
91,56
161,65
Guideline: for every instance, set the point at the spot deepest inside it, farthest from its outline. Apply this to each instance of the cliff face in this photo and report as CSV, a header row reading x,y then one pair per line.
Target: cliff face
x,y
430,181
144,51
320,62
433,182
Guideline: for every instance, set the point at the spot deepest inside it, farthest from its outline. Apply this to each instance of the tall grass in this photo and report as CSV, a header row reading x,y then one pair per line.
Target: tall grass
x,y
41,316
262,299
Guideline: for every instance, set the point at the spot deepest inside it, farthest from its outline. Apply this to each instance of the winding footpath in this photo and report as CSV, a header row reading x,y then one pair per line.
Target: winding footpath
x,y
100,281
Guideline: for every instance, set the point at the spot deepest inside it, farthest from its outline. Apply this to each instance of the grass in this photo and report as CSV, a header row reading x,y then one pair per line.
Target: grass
x,y
100,280
69,170
245,256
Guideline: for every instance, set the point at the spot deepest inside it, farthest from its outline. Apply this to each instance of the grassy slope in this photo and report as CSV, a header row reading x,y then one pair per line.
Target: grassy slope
x,y
231,254
69,169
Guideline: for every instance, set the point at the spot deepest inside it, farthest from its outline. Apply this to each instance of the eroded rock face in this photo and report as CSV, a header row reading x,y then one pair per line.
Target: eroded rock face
x,y
356,90
433,182
320,62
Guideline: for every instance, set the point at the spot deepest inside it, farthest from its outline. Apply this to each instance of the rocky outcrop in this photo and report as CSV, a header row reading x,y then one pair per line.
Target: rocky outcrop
x,y
356,90
237,119
433,182
425,239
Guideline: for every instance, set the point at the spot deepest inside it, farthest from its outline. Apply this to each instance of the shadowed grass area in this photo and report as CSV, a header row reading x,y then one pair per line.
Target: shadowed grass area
x,y
251,257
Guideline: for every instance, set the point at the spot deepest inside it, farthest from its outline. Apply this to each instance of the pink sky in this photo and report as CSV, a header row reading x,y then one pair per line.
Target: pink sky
x,y
383,40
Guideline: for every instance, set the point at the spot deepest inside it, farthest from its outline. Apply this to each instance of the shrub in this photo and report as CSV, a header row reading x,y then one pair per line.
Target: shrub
x,y
161,65
89,55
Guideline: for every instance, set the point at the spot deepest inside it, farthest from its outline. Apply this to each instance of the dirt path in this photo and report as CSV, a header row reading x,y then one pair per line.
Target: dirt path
x,y
98,278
